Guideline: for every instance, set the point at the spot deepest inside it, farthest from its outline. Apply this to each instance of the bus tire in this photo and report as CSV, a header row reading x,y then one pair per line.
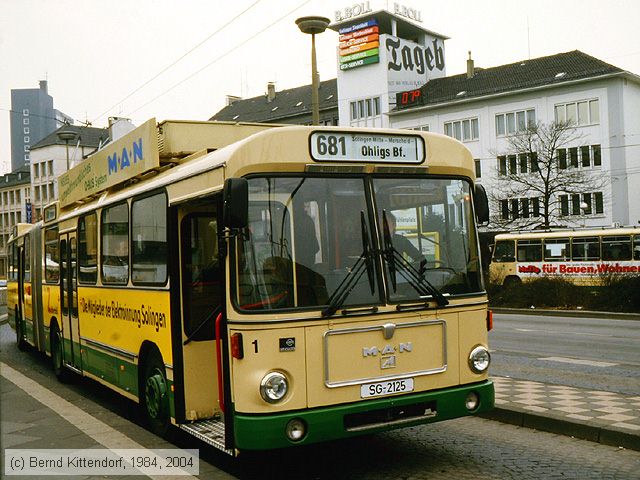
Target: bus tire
x,y
154,393
512,281
62,374
20,341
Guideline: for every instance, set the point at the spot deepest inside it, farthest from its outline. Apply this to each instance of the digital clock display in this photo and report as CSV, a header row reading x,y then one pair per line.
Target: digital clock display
x,y
410,97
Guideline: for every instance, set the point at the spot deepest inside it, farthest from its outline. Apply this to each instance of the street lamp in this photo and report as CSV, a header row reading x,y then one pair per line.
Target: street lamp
x,y
584,207
66,135
313,25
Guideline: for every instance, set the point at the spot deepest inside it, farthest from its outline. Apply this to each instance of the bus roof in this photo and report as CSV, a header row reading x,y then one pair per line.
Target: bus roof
x,y
185,164
577,232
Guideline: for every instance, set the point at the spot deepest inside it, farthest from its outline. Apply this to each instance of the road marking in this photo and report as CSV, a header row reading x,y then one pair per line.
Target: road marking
x,y
102,433
565,333
591,363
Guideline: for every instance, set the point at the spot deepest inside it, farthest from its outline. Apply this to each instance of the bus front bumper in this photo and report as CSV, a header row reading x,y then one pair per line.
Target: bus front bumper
x,y
261,432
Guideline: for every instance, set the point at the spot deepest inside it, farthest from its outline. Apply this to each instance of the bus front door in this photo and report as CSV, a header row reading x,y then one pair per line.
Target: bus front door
x,y
69,298
201,298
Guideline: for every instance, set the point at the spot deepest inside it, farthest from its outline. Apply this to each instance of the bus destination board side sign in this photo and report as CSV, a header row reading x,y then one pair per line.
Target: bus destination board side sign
x,y
127,157
328,146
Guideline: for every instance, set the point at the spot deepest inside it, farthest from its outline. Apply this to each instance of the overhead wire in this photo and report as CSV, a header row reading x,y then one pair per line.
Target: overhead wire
x,y
179,59
247,40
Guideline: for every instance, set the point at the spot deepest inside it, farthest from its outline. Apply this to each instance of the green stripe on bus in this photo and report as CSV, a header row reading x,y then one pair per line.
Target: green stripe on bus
x,y
258,432
107,367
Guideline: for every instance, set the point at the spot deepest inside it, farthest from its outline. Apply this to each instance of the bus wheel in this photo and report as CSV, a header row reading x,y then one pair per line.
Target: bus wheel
x,y
62,374
154,398
20,341
512,281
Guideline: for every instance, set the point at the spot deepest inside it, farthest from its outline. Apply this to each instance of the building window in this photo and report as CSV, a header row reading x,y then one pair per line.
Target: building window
x,y
25,121
36,170
514,122
593,204
26,139
26,130
586,156
365,108
25,112
478,167
518,164
421,128
583,112
463,130
515,208
26,148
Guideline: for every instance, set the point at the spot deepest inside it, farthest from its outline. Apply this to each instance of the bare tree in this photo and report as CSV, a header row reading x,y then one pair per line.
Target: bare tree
x,y
539,165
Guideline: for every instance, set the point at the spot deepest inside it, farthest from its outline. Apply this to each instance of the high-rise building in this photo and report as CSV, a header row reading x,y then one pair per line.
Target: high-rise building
x,y
32,118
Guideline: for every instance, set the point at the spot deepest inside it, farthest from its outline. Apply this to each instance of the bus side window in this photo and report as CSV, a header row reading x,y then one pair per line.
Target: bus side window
x,y
616,247
149,240
52,256
115,244
585,249
27,259
504,251
556,249
529,250
88,248
636,247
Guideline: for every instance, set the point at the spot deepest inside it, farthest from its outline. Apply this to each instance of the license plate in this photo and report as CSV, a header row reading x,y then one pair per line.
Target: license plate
x,y
386,388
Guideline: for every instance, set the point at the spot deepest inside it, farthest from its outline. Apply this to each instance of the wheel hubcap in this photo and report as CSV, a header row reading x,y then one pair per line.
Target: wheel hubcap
x,y
156,394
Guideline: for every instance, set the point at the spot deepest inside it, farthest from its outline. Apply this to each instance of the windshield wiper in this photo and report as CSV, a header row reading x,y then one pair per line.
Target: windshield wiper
x,y
364,262
397,263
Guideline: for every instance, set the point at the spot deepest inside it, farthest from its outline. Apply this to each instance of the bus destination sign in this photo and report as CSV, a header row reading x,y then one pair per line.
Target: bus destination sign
x,y
327,146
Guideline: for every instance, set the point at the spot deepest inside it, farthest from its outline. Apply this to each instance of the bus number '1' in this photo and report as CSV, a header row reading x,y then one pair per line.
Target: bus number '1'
x,y
332,145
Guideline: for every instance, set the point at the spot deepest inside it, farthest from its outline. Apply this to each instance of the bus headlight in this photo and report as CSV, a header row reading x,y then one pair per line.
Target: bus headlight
x,y
479,359
273,387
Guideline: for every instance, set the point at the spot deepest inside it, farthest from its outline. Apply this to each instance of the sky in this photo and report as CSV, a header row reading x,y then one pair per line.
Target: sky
x,y
178,59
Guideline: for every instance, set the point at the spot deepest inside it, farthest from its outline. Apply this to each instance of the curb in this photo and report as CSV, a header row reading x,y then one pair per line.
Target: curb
x,y
614,438
567,313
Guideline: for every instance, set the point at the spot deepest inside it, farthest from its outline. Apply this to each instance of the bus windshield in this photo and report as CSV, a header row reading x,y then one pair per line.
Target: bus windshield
x,y
310,242
431,246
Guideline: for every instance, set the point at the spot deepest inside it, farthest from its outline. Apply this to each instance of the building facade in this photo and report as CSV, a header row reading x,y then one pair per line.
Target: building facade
x,y
392,73
15,207
32,118
484,107
54,155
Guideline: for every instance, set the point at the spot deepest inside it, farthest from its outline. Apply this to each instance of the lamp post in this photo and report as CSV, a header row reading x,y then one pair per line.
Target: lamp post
x,y
313,25
584,207
66,135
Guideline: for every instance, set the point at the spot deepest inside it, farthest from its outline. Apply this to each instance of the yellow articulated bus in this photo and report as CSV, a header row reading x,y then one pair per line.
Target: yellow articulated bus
x,y
583,256
251,284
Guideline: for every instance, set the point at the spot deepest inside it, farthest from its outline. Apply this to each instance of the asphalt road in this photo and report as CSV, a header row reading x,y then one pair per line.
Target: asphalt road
x,y
592,353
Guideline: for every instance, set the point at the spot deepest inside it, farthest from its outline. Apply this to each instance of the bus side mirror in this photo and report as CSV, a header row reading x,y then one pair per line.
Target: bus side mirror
x,y
481,204
236,203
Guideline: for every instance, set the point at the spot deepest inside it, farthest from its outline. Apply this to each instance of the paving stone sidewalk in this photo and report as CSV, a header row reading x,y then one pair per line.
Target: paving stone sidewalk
x,y
605,417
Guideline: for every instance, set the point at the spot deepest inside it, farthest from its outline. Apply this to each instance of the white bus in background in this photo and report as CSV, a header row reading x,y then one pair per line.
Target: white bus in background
x,y
584,256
